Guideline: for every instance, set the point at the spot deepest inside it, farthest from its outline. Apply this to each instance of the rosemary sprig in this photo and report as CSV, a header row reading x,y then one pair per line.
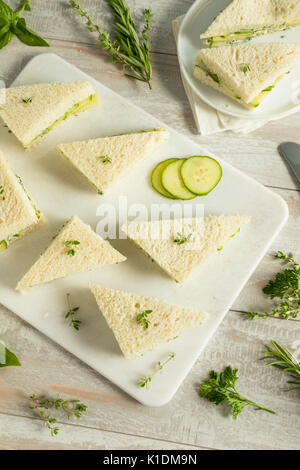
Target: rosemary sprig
x,y
105,159
70,314
285,287
142,318
127,48
220,388
180,240
283,359
69,243
145,381
70,407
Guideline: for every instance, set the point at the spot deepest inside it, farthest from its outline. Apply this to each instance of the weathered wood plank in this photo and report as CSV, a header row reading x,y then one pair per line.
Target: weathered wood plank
x,y
252,297
19,433
254,154
187,419
56,20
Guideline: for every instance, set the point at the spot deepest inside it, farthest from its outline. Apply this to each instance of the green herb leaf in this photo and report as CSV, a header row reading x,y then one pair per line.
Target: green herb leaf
x,y
285,287
142,318
6,13
11,359
27,36
70,314
5,37
220,388
180,240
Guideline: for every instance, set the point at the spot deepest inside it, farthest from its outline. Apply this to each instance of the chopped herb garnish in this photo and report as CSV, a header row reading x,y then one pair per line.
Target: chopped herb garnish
x,y
220,388
2,193
69,243
70,407
145,381
180,240
105,159
27,100
142,318
70,314
245,68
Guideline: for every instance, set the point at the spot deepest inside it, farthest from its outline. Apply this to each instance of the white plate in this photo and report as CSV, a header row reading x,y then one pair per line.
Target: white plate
x,y
284,99
62,192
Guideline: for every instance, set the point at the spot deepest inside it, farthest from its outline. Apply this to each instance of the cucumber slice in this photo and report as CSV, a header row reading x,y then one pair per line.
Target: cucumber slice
x,y
201,174
172,182
156,178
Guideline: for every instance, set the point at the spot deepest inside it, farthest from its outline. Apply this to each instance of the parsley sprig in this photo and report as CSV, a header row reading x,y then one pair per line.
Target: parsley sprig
x,y
285,287
127,47
145,381
11,24
70,407
70,314
71,243
220,389
142,318
180,240
283,359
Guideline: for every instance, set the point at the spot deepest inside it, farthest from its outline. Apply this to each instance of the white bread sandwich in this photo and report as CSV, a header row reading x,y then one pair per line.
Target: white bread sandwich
x,y
246,73
179,246
18,213
243,20
140,323
104,161
32,111
75,248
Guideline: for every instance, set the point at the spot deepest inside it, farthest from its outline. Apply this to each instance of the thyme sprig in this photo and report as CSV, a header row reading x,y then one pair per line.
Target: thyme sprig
x,y
105,159
70,243
72,408
127,47
142,319
220,388
180,240
283,359
70,314
145,381
285,287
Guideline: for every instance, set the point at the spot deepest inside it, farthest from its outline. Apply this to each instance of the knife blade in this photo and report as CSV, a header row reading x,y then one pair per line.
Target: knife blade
x,y
291,153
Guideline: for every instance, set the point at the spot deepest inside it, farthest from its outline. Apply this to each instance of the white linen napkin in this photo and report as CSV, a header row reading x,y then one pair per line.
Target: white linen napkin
x,y
208,120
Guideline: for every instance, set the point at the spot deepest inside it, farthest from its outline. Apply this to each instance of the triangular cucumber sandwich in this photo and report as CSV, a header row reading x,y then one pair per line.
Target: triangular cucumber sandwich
x,y
246,73
75,248
179,246
243,20
18,213
124,312
32,111
105,160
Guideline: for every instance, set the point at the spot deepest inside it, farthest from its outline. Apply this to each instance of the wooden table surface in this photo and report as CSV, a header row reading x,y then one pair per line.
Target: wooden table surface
x,y
114,420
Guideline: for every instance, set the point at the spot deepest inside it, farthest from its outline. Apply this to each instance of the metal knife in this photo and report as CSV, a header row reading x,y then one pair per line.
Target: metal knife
x,y
291,152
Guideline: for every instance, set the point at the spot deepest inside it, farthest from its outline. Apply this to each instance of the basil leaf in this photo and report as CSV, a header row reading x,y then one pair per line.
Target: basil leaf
x,y
5,38
27,36
6,13
11,359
